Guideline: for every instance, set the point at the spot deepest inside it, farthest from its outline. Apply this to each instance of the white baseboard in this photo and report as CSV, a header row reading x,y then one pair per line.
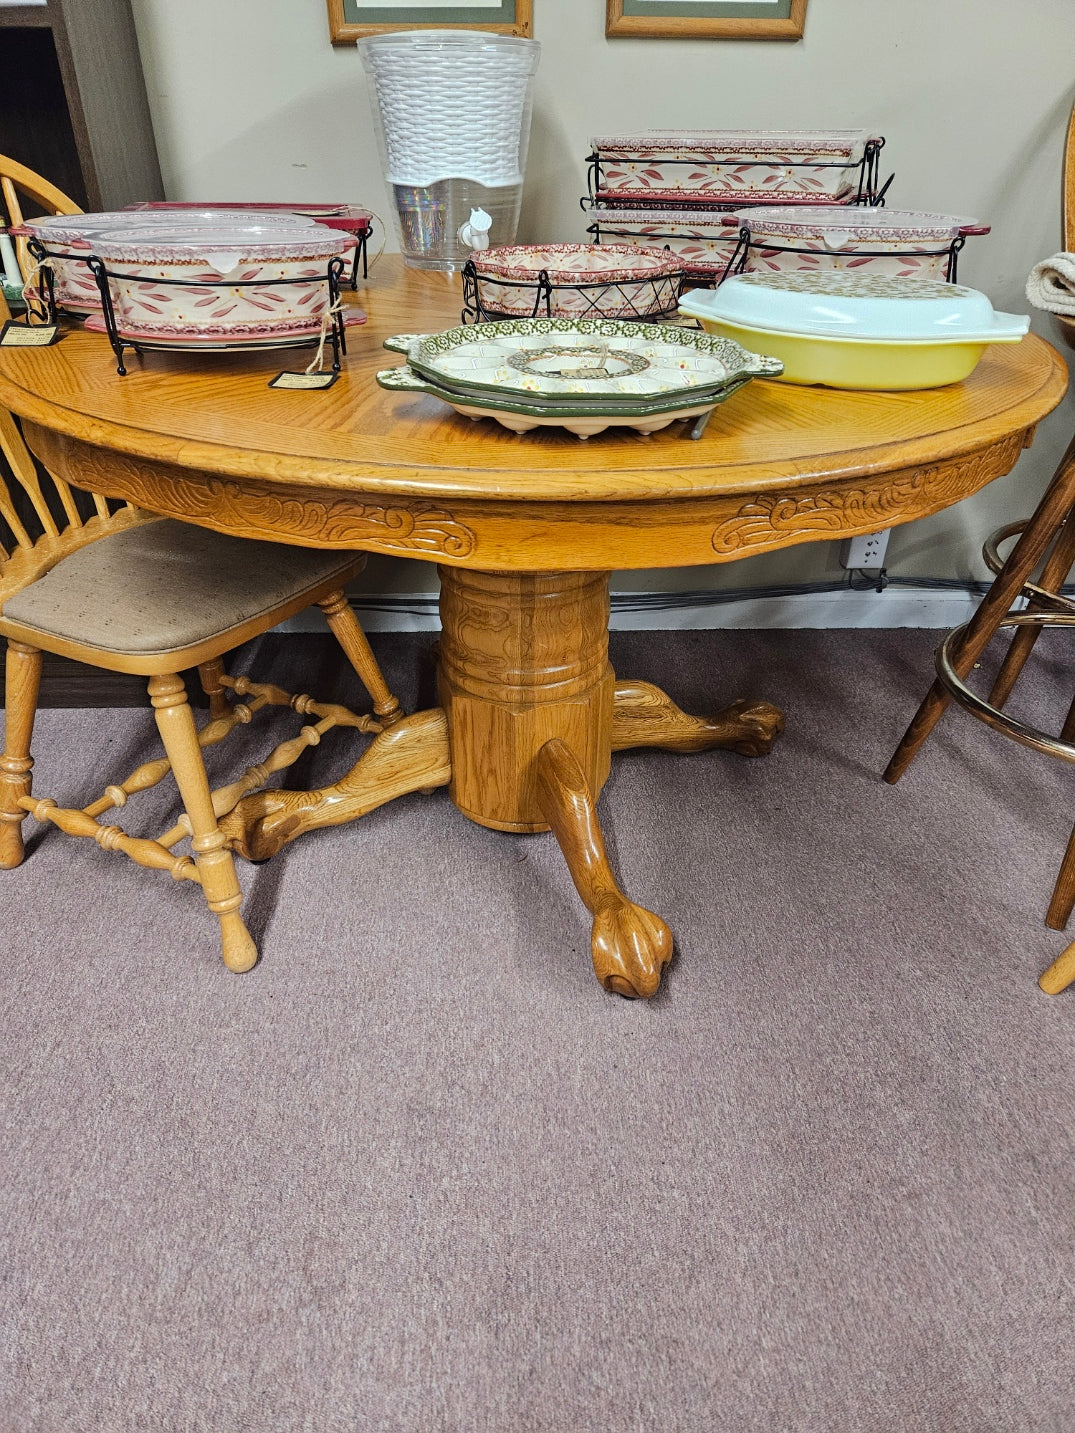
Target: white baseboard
x,y
895,607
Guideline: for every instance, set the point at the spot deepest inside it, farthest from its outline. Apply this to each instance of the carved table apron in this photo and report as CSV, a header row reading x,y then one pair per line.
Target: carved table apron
x,y
525,531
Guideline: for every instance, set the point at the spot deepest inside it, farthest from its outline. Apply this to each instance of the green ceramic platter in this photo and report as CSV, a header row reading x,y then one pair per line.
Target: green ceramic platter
x,y
406,380
596,364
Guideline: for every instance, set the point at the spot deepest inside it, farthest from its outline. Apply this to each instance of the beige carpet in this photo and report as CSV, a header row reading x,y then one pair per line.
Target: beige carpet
x,y
417,1173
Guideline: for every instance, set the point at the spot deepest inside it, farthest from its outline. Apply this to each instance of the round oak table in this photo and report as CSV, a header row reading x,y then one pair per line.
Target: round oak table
x,y
526,530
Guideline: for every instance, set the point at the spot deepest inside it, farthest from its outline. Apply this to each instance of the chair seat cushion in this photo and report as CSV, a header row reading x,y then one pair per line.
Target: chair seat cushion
x,y
164,586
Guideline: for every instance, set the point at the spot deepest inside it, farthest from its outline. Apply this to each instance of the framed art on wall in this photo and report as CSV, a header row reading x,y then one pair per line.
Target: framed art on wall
x,y
707,19
349,20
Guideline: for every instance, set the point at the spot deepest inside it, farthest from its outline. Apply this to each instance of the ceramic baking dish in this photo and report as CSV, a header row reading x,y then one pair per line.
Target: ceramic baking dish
x,y
730,166
853,330
247,283
899,242
69,239
576,281
703,243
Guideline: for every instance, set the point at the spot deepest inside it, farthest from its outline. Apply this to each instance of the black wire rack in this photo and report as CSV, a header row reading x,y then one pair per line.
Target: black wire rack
x,y
696,277
602,298
334,334
869,190
949,252
361,255
735,264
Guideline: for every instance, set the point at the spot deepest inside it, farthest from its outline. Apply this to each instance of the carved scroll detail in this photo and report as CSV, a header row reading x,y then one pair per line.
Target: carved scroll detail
x,y
255,510
768,521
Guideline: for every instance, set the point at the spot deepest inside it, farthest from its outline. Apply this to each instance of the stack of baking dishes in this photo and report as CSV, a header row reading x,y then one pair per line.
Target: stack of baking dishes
x,y
584,375
679,189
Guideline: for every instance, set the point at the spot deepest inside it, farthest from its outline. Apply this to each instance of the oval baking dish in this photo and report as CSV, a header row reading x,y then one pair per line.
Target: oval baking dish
x,y
576,281
249,283
69,239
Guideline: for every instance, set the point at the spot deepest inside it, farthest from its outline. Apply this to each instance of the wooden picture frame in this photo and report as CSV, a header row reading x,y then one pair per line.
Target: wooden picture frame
x,y
707,19
346,25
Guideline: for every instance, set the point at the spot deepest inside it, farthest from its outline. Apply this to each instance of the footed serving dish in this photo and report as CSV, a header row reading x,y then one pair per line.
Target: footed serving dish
x,y
582,374
855,330
585,421
589,360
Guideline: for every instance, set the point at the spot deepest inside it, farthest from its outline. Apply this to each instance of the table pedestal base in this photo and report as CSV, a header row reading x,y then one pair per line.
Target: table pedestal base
x,y
531,713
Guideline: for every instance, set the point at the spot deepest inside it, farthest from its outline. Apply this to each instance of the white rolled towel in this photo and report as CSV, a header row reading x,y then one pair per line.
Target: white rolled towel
x,y
1051,285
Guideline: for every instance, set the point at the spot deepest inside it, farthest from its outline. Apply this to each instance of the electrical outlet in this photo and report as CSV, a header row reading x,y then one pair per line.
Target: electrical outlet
x,y
865,554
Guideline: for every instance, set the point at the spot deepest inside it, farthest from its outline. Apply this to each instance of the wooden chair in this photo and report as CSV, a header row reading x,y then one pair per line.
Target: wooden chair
x,y
1048,535
15,181
128,591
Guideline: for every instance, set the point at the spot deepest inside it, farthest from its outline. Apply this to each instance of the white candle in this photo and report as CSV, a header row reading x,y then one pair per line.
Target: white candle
x,y
8,262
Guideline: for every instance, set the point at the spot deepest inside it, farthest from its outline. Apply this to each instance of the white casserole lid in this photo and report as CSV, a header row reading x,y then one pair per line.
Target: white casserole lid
x,y
834,303
836,224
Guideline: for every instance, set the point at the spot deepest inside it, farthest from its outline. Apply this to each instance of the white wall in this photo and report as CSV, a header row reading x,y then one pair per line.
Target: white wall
x,y
250,101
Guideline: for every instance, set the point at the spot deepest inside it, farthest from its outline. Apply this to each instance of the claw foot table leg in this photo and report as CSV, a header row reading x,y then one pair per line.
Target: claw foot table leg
x,y
643,715
411,755
630,945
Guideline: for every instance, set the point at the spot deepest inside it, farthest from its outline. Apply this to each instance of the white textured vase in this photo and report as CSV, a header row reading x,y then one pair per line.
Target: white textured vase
x,y
452,114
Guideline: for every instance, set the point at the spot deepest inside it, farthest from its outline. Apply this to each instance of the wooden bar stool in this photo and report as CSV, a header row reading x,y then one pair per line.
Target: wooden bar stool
x,y
1050,533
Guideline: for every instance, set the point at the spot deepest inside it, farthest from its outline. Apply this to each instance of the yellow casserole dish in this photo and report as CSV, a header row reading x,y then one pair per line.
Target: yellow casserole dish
x,y
848,330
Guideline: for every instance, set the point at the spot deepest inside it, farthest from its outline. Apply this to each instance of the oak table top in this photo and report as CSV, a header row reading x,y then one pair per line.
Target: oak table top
x,y
404,474
526,530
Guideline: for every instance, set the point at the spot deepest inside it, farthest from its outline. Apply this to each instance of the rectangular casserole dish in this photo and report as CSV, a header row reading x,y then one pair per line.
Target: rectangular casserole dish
x,y
729,166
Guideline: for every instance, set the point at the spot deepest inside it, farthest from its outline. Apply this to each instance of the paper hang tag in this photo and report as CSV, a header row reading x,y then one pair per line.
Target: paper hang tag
x,y
304,380
21,335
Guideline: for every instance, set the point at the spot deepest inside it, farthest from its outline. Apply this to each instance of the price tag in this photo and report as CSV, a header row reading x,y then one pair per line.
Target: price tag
x,y
304,380
21,335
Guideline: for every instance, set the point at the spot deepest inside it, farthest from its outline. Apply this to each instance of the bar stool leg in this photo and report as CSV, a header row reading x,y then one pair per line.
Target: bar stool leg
x,y
1027,553
1053,576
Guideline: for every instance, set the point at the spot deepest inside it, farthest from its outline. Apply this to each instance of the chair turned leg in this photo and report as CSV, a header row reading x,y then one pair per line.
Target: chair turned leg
x,y
216,867
1060,974
210,674
1024,557
23,677
1053,576
348,632
1060,907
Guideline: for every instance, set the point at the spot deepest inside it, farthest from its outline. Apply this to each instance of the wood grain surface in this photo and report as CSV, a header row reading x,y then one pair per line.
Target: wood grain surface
x,y
204,438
